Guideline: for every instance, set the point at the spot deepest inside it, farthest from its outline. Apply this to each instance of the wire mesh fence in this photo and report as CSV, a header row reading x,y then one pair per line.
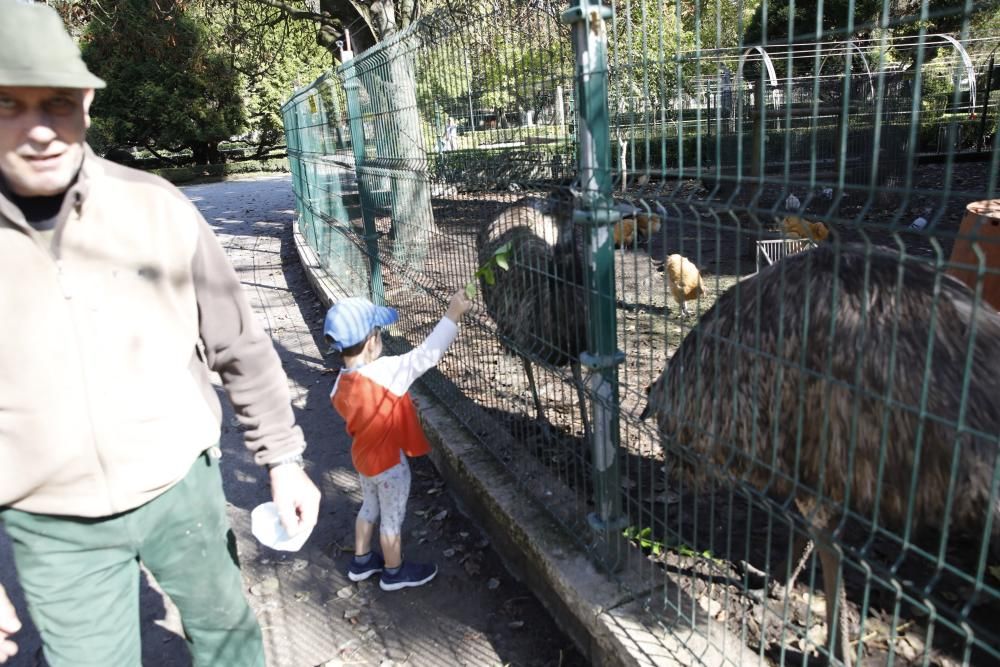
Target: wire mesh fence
x,y
736,267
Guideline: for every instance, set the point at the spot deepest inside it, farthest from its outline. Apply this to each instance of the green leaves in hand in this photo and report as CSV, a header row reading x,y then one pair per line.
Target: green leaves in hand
x,y
500,258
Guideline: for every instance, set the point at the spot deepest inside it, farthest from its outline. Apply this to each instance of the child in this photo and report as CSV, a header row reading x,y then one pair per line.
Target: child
x,y
371,395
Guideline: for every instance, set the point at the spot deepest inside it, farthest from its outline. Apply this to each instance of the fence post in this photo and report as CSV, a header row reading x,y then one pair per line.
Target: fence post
x,y
596,211
293,147
357,126
981,142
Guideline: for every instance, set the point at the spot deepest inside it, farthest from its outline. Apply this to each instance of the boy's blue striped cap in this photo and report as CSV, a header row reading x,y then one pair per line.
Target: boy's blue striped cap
x,y
349,321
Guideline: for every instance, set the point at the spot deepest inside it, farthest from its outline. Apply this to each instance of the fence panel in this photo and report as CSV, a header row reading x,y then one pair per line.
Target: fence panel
x,y
796,187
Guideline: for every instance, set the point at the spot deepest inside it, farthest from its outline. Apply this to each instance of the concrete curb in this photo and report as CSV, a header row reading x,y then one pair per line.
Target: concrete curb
x,y
605,618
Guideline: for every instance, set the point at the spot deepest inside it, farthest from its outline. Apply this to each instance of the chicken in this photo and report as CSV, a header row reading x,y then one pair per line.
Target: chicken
x,y
684,280
796,227
644,224
647,224
624,232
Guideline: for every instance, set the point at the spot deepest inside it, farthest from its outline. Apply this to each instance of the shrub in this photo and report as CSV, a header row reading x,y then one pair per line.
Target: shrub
x,y
216,171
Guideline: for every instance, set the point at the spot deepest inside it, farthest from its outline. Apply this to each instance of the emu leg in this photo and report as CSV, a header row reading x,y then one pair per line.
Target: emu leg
x,y
836,605
833,586
582,396
534,389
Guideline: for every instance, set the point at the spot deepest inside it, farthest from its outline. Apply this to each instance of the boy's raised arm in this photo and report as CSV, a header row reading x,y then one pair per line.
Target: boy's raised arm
x,y
406,368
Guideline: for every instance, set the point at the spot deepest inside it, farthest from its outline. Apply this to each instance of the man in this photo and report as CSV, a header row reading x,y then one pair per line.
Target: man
x,y
117,303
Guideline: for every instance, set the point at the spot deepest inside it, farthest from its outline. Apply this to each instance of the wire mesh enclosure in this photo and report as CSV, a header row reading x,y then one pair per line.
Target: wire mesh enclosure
x,y
737,268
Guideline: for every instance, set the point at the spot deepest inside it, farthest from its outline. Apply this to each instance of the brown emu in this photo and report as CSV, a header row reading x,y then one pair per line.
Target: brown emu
x,y
539,303
841,370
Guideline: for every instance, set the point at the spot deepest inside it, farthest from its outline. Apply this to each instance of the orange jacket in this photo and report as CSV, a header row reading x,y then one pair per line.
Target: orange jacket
x,y
379,423
373,400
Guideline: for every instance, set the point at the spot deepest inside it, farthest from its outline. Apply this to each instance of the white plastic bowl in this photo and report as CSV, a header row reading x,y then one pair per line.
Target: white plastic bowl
x,y
266,527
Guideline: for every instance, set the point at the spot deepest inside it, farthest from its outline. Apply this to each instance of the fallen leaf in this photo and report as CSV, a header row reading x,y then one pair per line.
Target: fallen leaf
x,y
440,516
265,587
995,571
493,584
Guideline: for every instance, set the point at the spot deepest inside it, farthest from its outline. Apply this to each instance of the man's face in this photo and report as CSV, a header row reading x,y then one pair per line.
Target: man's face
x,y
41,137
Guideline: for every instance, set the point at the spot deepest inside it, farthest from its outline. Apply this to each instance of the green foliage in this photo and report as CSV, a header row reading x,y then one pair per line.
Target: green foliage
x,y
684,36
212,172
507,61
444,77
500,259
643,538
191,73
491,168
170,83
776,21
637,81
719,24
273,55
665,151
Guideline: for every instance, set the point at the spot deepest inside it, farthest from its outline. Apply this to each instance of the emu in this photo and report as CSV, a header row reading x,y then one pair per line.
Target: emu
x,y
539,303
808,380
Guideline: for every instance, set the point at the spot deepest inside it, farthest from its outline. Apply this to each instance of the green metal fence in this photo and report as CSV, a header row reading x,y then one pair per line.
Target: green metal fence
x,y
565,160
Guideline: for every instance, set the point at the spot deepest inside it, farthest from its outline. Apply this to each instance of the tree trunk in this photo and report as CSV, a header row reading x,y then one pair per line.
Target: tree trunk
x,y
398,145
206,152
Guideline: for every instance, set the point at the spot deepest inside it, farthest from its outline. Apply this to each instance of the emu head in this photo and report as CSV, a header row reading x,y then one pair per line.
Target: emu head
x,y
654,397
562,202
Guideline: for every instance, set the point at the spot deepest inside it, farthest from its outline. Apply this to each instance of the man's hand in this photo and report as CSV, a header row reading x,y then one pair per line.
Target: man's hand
x,y
9,625
296,496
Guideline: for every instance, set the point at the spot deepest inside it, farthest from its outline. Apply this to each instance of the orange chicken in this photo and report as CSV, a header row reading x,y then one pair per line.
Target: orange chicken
x,y
684,280
796,227
624,232
644,224
647,224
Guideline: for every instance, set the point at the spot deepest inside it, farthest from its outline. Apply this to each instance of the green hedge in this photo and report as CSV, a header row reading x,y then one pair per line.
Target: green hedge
x,y
499,168
216,171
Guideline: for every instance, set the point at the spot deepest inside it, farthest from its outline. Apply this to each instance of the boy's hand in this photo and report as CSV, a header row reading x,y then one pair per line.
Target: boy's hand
x,y
458,306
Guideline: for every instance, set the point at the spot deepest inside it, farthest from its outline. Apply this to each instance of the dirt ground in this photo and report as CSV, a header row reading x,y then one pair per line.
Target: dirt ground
x,y
725,548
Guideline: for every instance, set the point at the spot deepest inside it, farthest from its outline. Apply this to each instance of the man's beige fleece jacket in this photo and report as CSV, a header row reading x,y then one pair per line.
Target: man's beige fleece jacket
x,y
108,338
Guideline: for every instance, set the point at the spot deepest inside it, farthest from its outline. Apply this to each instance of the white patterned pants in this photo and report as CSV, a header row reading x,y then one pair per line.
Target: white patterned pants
x,y
385,495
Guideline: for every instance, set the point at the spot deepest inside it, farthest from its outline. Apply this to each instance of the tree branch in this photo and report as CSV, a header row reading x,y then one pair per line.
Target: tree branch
x,y
292,12
169,160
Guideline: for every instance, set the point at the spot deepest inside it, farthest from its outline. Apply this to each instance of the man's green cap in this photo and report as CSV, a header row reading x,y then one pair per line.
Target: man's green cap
x,y
37,52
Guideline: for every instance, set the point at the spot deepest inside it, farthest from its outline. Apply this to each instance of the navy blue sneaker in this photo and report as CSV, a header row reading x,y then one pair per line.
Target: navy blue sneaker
x,y
360,571
409,575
